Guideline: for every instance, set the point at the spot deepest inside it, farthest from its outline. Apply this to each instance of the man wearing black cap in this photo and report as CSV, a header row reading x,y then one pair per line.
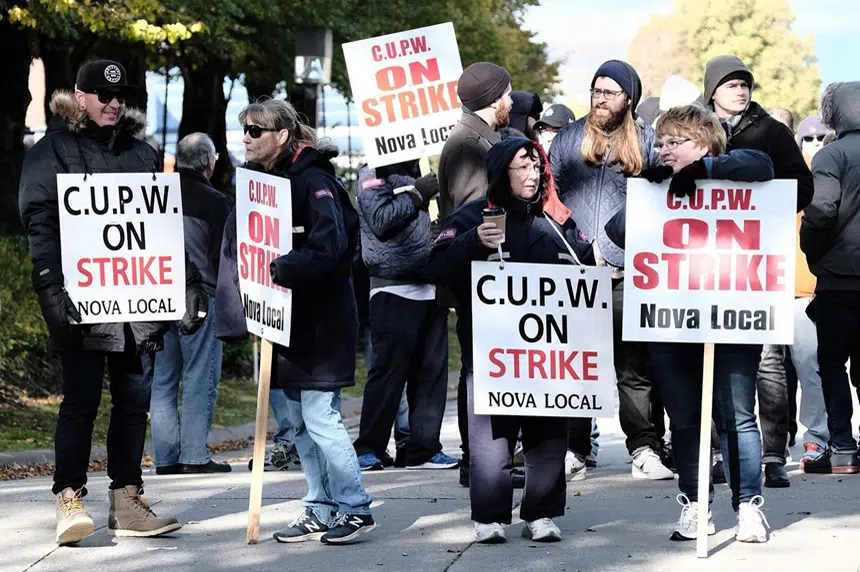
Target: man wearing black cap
x,y
485,92
591,160
550,123
728,91
525,111
93,132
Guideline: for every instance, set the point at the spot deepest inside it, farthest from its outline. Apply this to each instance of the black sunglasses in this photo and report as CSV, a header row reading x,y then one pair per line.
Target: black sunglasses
x,y
811,138
106,96
255,131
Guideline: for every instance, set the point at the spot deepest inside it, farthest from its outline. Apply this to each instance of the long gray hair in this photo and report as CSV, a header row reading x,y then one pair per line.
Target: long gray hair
x,y
279,114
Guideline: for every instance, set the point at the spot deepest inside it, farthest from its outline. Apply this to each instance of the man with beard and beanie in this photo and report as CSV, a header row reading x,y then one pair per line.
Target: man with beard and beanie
x,y
591,160
728,91
830,237
94,132
485,92
525,112
408,329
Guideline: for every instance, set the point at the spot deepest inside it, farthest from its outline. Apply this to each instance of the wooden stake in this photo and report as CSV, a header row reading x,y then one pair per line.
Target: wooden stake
x,y
256,501
433,207
705,450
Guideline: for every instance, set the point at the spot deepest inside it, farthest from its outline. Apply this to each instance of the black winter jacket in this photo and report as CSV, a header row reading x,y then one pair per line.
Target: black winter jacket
x,y
758,130
395,230
204,211
830,229
594,193
75,144
324,321
528,238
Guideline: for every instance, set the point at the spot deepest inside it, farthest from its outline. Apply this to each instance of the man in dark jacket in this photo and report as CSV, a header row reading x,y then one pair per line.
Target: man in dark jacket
x,y
320,360
728,91
408,329
591,160
93,132
485,91
179,442
830,237
526,108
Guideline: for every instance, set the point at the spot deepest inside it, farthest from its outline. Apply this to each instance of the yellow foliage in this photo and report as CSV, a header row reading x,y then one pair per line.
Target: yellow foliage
x,y
22,16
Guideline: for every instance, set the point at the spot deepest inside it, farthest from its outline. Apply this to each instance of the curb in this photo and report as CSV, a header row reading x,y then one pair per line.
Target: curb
x,y
350,411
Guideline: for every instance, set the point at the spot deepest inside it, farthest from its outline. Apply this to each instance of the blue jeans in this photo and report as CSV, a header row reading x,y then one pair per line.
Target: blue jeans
x,y
678,370
328,459
286,433
196,359
804,357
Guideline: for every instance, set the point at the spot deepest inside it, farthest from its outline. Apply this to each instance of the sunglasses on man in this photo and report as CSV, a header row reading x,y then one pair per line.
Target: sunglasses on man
x,y
255,131
811,138
106,96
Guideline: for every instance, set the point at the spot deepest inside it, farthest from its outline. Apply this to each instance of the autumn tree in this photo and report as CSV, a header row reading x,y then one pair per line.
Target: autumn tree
x,y
757,31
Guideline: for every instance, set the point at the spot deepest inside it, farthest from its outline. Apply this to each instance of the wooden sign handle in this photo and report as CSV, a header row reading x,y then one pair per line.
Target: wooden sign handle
x,y
705,450
256,499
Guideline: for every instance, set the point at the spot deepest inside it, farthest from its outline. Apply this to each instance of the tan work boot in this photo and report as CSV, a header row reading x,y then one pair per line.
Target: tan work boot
x,y
73,521
130,515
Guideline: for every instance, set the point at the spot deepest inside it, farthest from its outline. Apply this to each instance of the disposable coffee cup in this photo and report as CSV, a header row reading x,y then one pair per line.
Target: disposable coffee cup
x,y
496,216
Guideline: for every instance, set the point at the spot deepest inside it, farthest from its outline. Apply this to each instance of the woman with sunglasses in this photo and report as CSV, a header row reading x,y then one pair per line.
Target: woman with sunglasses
x,y
320,360
692,146
520,182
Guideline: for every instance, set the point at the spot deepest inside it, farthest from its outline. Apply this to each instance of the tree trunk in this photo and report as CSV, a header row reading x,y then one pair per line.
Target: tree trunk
x,y
61,62
256,90
14,99
204,109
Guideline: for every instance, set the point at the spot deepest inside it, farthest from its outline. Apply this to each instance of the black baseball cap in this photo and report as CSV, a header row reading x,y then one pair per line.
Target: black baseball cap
x,y
101,75
556,116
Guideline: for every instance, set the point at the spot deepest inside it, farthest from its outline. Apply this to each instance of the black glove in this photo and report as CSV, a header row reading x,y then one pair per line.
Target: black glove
x,y
426,188
196,301
196,307
684,182
149,336
57,308
657,174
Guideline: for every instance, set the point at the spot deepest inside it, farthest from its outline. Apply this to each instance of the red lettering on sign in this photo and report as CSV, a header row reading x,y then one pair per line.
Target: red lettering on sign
x,y
115,271
531,364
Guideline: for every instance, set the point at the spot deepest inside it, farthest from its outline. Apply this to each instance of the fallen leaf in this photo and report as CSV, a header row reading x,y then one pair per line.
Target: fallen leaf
x,y
649,497
590,530
433,500
453,551
577,494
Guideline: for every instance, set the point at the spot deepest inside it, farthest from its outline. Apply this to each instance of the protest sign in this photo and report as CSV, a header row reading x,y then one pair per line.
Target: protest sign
x,y
123,246
264,232
405,90
542,340
714,268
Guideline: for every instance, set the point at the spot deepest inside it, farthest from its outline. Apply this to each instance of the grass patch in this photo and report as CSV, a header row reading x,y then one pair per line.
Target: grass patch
x,y
30,426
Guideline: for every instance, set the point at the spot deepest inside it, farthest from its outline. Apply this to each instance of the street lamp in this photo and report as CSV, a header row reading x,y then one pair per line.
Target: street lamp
x,y
313,67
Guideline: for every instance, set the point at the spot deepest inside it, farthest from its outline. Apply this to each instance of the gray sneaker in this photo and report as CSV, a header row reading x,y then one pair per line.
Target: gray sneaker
x,y
130,515
73,521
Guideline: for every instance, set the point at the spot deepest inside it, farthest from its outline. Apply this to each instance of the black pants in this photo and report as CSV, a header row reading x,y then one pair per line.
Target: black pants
x,y
791,383
640,407
130,388
491,454
409,343
463,399
579,435
772,390
837,321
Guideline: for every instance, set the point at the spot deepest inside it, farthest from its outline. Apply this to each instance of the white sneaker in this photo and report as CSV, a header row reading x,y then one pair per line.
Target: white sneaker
x,y
574,467
687,527
542,530
751,521
492,533
647,465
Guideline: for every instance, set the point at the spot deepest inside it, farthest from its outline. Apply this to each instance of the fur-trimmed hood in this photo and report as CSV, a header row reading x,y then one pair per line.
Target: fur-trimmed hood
x,y
75,119
840,107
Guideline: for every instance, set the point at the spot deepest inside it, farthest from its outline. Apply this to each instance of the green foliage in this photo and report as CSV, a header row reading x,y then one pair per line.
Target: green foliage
x,y
25,357
757,31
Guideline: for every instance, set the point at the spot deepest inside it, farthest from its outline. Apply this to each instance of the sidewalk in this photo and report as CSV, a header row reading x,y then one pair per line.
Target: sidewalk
x,y
612,523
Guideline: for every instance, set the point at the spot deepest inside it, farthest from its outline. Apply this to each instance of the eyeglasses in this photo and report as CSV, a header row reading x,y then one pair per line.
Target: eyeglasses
x,y
106,96
669,145
811,138
525,170
606,93
255,131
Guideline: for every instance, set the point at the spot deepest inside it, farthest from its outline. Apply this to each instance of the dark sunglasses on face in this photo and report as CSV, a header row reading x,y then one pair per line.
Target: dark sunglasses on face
x,y
106,97
255,131
811,138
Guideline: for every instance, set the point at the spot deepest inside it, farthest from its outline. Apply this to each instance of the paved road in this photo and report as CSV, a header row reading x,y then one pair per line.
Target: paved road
x,y
612,523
